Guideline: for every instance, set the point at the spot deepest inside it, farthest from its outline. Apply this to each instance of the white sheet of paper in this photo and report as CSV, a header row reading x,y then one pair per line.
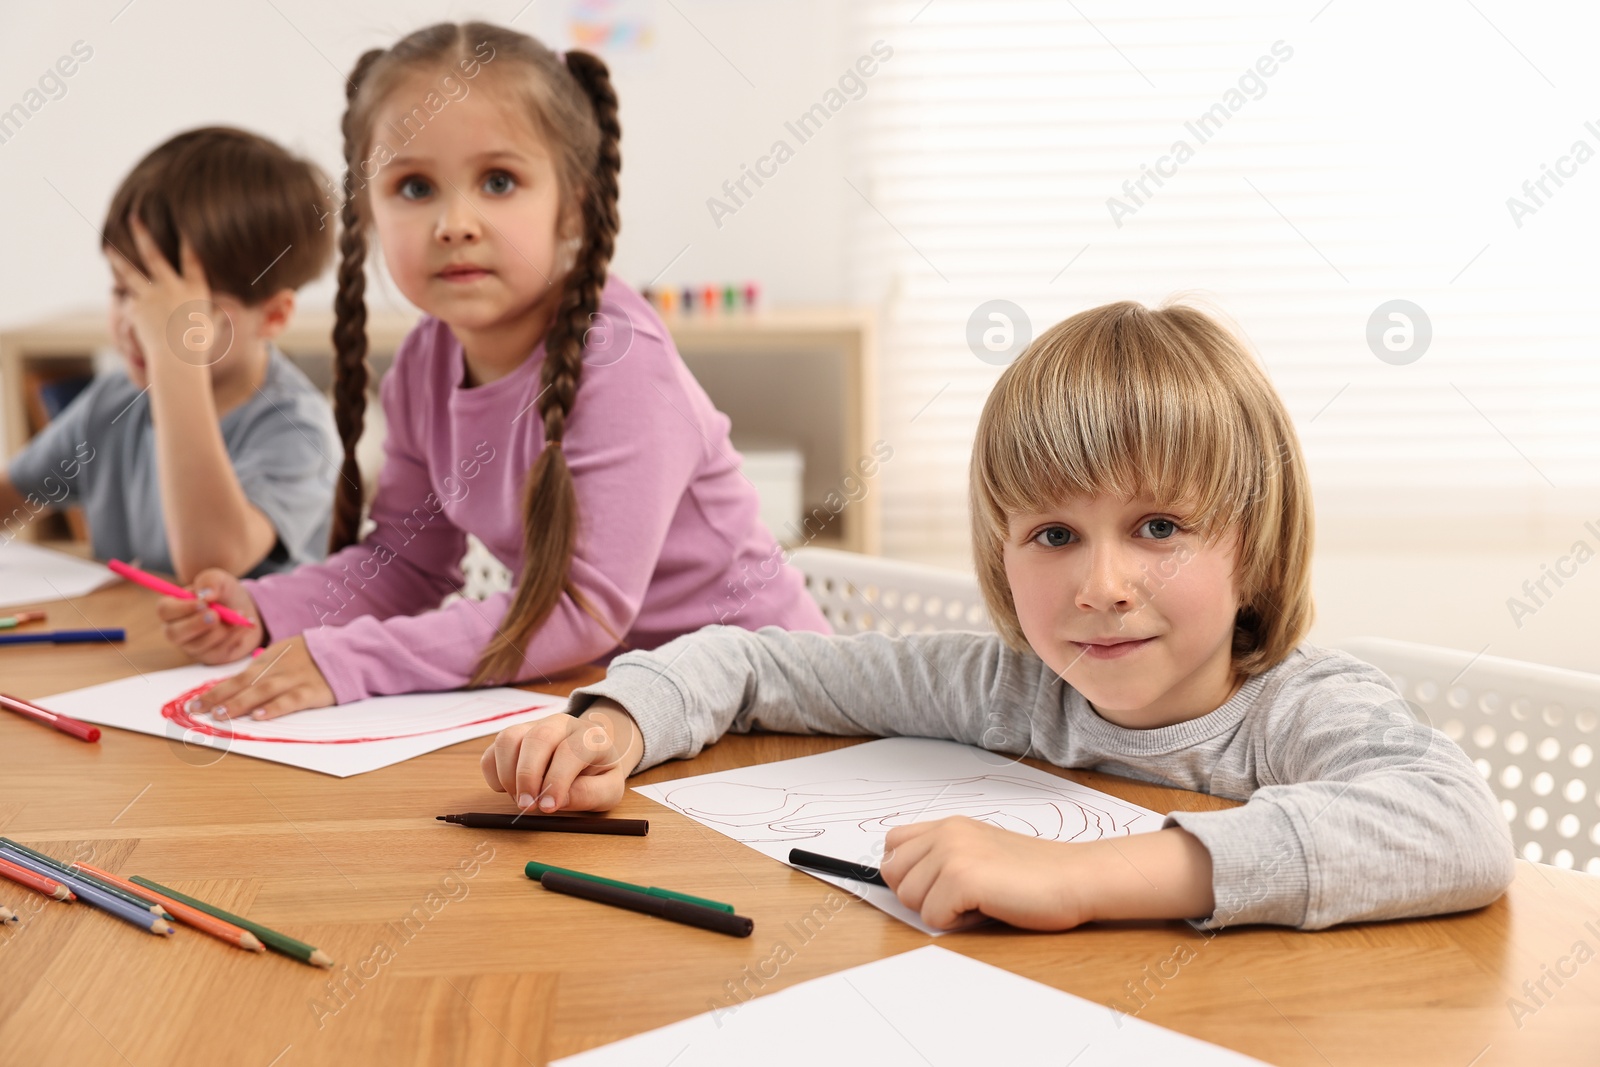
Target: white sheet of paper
x,y
927,1006
843,804
343,740
29,574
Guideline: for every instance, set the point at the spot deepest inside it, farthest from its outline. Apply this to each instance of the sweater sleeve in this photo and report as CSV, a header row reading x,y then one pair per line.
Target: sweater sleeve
x,y
408,563
690,691
1363,813
632,455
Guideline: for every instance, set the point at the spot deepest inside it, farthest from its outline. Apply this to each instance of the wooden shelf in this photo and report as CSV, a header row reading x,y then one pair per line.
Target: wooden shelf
x,y
801,378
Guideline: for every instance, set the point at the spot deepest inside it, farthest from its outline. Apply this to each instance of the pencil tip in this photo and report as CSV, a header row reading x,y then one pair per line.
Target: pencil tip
x,y
321,958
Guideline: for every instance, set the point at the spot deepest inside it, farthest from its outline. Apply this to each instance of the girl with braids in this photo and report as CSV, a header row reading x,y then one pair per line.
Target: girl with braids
x,y
539,404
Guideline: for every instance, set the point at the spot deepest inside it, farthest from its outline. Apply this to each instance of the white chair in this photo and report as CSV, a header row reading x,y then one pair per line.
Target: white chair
x,y
1531,730
483,573
855,592
859,593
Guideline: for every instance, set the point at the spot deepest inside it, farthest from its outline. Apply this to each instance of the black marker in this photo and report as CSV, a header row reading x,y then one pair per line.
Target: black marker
x,y
677,910
801,858
561,824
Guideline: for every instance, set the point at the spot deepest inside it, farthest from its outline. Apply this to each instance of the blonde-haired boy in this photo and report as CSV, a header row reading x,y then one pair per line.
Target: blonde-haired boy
x,y
1142,532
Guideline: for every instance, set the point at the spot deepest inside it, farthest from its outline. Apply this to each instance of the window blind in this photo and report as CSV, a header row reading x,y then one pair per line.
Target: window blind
x,y
1296,167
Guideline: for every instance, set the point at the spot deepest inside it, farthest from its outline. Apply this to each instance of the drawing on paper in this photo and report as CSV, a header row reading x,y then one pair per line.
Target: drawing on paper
x,y
333,726
755,813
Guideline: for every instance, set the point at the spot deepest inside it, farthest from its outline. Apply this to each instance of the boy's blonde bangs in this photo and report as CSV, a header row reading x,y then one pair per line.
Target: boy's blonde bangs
x,y
1125,400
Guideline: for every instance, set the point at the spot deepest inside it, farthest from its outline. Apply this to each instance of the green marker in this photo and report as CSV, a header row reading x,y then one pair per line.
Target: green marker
x,y
534,869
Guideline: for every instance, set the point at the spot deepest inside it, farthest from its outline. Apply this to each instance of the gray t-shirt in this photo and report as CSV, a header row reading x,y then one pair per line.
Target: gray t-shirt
x,y
101,452
1354,809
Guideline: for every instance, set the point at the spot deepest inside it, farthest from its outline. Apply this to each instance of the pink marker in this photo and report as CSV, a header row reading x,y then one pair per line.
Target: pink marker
x,y
150,581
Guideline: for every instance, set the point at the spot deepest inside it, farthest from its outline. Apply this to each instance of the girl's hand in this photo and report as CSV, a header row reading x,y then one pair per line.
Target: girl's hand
x,y
566,762
195,628
954,866
282,679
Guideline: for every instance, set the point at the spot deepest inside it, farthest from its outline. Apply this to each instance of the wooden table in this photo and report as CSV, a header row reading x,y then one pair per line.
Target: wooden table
x,y
436,966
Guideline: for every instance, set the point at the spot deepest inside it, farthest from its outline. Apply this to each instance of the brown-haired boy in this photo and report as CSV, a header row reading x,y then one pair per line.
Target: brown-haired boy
x,y
211,449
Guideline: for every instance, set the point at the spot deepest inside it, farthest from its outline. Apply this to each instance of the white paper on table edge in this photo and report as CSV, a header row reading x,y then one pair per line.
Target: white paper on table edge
x,y
942,957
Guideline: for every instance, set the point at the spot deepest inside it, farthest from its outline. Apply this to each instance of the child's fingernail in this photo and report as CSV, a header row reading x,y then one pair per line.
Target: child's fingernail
x,y
525,801
192,705
205,594
211,617
547,803
258,714
220,711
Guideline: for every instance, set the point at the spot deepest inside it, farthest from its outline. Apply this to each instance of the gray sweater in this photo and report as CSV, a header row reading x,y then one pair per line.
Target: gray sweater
x,y
1355,810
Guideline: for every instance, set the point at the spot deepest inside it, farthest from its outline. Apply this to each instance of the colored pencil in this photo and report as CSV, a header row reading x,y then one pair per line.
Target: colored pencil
x,y
184,913
65,637
675,910
81,730
150,581
844,868
46,885
536,870
91,892
22,618
561,824
54,868
8,916
271,938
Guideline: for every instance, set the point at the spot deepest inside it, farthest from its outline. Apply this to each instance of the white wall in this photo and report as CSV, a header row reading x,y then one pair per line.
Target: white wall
x,y
690,118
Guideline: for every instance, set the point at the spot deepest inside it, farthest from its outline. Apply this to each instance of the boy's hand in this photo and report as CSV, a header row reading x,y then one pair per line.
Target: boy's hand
x,y
566,762
948,868
195,628
154,300
283,679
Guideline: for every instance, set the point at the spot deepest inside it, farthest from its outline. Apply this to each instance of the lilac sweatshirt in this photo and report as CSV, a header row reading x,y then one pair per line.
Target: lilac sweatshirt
x,y
668,536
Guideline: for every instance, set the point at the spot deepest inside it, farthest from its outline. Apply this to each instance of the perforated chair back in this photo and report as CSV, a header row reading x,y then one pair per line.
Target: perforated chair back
x,y
859,593
1531,730
483,574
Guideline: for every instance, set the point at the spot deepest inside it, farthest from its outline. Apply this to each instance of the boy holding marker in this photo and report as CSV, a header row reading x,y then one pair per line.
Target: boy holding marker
x,y
211,449
1142,532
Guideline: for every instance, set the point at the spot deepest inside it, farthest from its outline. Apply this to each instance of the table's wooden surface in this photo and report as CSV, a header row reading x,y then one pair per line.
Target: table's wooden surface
x,y
439,967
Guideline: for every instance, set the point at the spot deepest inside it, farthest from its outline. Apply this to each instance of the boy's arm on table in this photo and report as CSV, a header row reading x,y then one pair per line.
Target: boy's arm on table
x,y
961,686
10,501
46,472
675,700
1363,814
690,691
